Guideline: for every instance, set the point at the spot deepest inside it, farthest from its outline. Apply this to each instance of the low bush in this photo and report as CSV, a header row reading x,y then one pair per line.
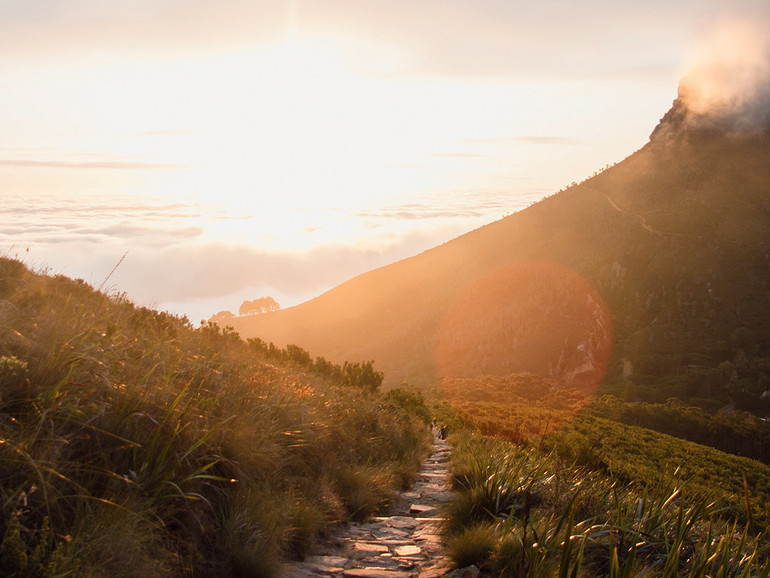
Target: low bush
x,y
473,545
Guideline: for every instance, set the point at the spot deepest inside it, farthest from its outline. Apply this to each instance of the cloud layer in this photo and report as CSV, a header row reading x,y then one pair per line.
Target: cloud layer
x,y
402,37
730,83
174,262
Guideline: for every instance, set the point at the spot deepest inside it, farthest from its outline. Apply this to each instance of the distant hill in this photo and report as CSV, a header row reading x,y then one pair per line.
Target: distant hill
x,y
654,274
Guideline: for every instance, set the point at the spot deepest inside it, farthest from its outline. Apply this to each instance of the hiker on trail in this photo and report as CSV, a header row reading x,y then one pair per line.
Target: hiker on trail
x,y
433,426
443,432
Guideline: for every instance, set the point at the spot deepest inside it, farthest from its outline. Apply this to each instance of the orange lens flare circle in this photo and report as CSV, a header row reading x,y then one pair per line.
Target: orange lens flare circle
x,y
531,317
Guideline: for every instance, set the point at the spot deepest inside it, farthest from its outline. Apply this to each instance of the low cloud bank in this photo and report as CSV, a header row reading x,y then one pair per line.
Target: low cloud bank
x,y
216,271
729,87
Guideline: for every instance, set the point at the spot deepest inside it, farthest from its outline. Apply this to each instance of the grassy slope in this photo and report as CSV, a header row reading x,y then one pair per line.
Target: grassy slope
x,y
634,454
608,434
131,444
520,512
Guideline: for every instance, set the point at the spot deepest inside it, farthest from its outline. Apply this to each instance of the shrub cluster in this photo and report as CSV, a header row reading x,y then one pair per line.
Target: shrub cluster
x,y
736,432
519,512
354,374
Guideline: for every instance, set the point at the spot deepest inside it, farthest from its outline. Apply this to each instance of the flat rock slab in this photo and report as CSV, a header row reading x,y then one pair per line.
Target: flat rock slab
x,y
402,522
407,551
388,533
313,570
422,509
298,570
376,573
469,572
439,496
369,549
328,562
433,475
386,563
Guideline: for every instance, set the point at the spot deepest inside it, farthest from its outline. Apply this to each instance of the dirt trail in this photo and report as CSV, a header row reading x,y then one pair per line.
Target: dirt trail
x,y
403,545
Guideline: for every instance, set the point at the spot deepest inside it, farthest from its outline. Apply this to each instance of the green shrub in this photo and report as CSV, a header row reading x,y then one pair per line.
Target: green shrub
x,y
472,546
410,401
364,490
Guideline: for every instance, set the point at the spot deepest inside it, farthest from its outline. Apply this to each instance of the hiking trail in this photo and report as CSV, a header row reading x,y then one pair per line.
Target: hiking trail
x,y
405,544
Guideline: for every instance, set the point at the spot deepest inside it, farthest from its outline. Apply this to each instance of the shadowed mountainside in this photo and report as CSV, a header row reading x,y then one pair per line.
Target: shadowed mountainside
x,y
659,267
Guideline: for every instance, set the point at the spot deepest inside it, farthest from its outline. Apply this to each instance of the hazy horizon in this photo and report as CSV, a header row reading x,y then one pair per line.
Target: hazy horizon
x,y
233,151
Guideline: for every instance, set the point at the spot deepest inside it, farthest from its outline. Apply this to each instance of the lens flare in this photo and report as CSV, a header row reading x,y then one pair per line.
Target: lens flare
x,y
532,317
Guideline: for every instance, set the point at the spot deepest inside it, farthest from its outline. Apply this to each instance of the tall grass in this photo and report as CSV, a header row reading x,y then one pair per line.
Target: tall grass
x,y
133,444
550,519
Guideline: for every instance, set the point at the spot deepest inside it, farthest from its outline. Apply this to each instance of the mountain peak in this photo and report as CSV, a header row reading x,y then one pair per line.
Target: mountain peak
x,y
685,120
722,96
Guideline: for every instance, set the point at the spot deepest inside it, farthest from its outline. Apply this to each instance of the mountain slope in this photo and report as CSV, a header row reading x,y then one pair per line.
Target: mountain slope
x,y
661,262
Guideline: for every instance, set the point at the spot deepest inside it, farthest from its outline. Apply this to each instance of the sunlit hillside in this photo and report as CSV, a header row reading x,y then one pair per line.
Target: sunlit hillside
x,y
133,445
653,273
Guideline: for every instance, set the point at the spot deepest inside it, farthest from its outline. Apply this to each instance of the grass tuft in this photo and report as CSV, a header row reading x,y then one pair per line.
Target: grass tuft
x,y
473,545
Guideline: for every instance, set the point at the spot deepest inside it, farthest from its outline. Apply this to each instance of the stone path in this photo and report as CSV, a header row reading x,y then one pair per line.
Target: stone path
x,y
403,545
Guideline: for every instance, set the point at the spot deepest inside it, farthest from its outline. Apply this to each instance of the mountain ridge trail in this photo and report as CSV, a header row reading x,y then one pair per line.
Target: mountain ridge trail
x,y
405,544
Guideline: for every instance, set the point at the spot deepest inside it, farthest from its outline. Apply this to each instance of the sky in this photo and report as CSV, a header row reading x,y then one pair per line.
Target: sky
x,y
194,154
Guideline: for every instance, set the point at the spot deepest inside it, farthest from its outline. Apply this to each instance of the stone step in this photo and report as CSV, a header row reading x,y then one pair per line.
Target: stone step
x,y
371,572
399,546
329,561
422,509
407,551
368,549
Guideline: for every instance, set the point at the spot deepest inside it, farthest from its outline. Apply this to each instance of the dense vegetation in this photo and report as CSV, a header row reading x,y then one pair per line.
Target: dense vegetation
x,y
634,454
519,511
583,485
526,407
735,432
356,374
133,444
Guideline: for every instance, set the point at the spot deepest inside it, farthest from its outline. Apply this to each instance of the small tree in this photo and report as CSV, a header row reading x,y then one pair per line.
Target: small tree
x,y
362,375
726,372
261,305
221,316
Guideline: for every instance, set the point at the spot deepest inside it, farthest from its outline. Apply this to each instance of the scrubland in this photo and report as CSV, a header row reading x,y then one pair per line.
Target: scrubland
x,y
134,444
560,484
520,511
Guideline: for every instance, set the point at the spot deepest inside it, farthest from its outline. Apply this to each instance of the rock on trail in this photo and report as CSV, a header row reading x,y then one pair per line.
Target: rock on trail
x,y
403,545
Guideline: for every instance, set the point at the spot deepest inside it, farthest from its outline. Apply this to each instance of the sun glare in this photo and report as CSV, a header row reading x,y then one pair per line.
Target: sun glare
x,y
294,134
300,131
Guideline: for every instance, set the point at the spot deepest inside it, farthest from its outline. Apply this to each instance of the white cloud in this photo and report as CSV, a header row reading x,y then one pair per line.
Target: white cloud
x,y
101,165
435,37
172,262
730,81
